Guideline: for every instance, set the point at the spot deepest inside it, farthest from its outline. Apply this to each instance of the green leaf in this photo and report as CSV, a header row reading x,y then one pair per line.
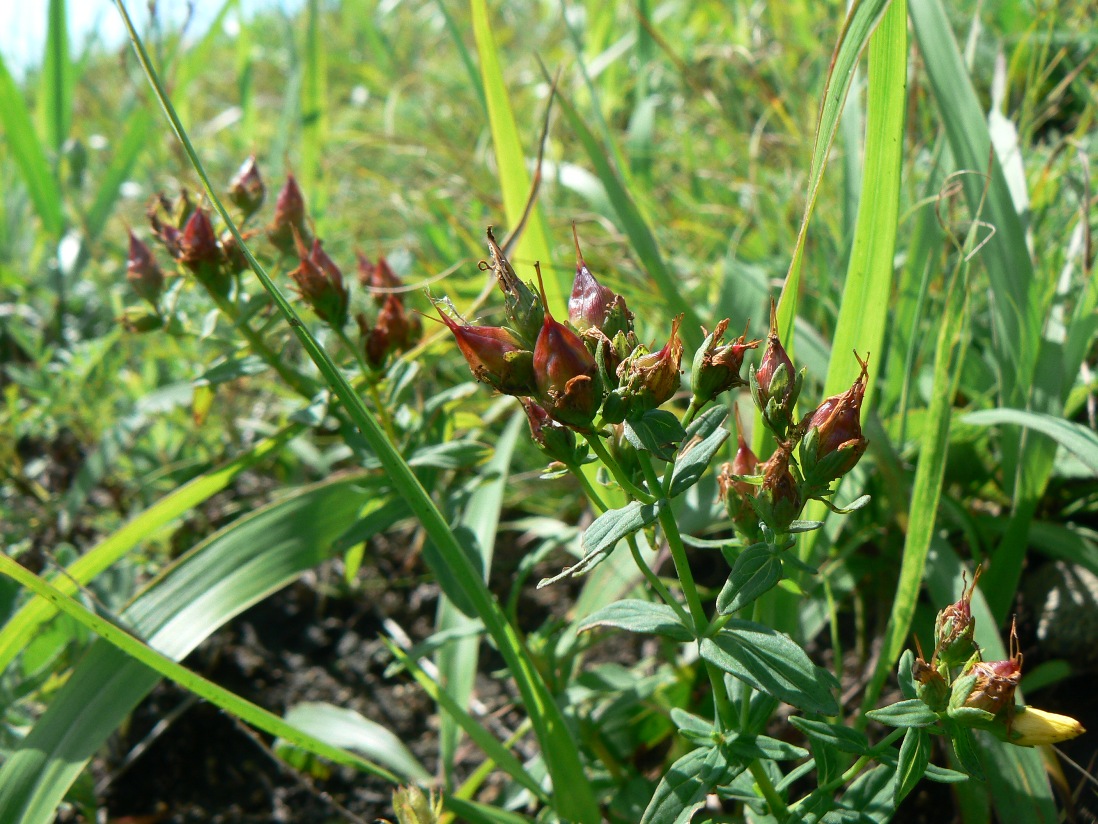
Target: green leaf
x,y
601,537
473,812
704,438
773,663
1077,439
760,746
914,758
909,713
871,795
842,738
964,744
691,725
124,155
685,785
351,731
29,155
640,616
757,570
944,775
657,431
58,78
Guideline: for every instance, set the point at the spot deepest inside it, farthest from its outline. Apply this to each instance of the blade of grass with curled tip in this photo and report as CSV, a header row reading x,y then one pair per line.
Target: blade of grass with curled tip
x,y
514,179
575,798
19,629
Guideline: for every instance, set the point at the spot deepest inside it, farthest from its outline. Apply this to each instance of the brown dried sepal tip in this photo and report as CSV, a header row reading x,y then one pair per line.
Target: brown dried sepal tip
x,y
717,364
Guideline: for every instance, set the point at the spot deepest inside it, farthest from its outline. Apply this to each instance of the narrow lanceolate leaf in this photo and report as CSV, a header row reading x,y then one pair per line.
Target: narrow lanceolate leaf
x,y
684,787
57,78
29,154
773,663
1077,439
23,625
704,438
514,179
640,616
909,713
756,571
914,758
558,747
233,569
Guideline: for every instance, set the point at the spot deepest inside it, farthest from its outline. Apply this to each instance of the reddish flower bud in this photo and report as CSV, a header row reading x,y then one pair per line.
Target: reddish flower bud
x,y
199,250
565,373
246,189
779,500
996,681
717,365
495,356
378,279
555,439
833,442
775,384
142,273
289,217
395,331
745,461
167,219
954,628
594,306
320,283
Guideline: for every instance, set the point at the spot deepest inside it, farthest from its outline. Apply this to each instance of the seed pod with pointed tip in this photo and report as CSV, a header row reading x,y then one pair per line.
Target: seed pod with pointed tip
x,y
395,331
246,189
833,443
320,283
377,278
142,273
648,379
717,365
496,357
523,306
289,218
775,384
779,501
954,628
594,306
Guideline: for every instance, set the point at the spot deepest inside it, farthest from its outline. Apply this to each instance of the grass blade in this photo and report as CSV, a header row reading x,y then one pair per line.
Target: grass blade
x,y
514,179
314,107
559,749
29,154
457,661
58,79
126,152
859,24
25,623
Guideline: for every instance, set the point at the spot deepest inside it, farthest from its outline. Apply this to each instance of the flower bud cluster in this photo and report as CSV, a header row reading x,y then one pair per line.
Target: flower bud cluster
x,y
810,455
186,232
588,372
959,683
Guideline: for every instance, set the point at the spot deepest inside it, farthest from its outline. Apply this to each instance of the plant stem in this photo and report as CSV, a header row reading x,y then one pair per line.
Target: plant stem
x,y
655,582
588,490
854,769
615,469
293,379
777,807
371,379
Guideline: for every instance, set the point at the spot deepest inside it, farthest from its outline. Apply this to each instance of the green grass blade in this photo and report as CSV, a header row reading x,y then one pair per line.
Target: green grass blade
x,y
1020,299
636,229
864,309
58,79
1079,440
233,569
22,626
859,24
29,154
927,488
558,747
457,661
514,179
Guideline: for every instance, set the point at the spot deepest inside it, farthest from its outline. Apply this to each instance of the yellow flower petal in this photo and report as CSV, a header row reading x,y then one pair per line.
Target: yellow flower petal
x,y
1032,726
